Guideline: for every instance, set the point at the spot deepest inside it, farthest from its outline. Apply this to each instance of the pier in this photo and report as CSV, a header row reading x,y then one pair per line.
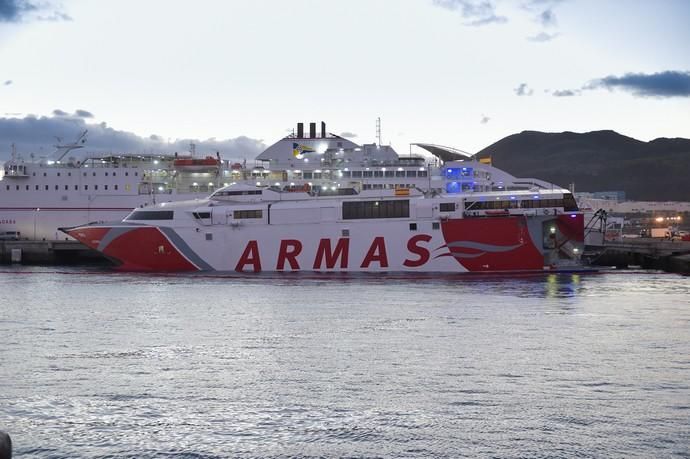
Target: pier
x,y
47,253
648,253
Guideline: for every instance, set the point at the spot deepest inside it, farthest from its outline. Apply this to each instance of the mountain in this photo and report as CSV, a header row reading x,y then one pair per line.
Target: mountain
x,y
658,170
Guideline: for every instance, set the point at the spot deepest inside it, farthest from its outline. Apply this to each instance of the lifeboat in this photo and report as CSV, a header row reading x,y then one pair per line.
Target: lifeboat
x,y
197,164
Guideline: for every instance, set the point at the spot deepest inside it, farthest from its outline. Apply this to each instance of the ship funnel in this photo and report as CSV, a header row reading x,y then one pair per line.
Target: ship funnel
x,y
300,130
323,130
312,130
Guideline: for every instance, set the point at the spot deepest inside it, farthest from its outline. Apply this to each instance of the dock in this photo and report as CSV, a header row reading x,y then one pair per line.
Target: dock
x,y
48,253
648,253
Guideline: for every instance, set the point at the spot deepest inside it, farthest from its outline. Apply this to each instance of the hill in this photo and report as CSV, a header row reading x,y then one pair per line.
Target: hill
x,y
658,170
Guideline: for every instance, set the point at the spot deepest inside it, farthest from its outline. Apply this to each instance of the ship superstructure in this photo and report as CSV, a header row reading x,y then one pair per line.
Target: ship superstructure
x,y
72,187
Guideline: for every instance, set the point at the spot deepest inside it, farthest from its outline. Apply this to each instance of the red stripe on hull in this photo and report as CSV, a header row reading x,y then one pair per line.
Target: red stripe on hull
x,y
139,249
90,237
492,244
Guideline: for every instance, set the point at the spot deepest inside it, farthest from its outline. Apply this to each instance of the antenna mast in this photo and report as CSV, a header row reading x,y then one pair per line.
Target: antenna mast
x,y
378,129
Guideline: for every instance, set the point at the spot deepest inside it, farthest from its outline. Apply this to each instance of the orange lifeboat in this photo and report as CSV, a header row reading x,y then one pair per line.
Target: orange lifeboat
x,y
197,164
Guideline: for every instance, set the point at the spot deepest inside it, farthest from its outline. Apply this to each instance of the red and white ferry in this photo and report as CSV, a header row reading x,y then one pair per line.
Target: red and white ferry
x,y
246,228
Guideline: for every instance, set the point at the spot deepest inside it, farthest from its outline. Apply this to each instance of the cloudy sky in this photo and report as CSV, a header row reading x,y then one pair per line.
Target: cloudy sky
x,y
465,73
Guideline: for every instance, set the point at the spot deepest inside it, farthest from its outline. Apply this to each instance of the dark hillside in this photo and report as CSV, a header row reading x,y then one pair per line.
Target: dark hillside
x,y
658,170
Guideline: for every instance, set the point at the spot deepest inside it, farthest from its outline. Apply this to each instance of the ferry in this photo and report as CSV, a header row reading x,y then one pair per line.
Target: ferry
x,y
71,187
247,228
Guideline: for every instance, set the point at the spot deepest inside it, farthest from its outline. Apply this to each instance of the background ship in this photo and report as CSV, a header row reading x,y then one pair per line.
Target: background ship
x,y
38,196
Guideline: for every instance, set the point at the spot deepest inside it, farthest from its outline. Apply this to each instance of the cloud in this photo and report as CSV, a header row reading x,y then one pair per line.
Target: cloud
x,y
485,119
58,112
20,10
477,12
669,83
37,135
7,82
83,114
542,37
547,18
347,134
566,92
523,90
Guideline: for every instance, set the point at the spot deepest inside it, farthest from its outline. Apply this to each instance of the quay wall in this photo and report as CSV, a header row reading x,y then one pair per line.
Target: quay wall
x,y
48,253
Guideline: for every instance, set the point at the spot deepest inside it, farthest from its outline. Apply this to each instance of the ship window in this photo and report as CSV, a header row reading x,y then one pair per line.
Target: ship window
x,y
36,187
86,187
136,174
69,174
8,188
94,174
435,225
447,207
114,174
376,209
58,174
247,214
34,174
422,174
126,174
128,187
46,187
56,187
389,174
66,187
410,173
569,204
17,187
150,215
45,174
95,187
308,175
356,174
367,174
347,174
76,187
84,174
378,173
400,173
199,215
236,193
116,187
209,236
105,187
413,227
106,174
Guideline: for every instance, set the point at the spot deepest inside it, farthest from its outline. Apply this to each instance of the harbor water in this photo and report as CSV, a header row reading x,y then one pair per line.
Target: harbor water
x,y
98,364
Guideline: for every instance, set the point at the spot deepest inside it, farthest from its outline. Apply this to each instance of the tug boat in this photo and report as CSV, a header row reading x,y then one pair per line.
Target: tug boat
x,y
247,228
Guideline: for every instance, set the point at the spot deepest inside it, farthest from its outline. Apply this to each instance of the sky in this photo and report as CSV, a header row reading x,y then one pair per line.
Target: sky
x,y
237,75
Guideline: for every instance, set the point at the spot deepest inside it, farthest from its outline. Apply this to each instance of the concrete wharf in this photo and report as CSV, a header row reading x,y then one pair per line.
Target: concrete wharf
x,y
47,253
648,253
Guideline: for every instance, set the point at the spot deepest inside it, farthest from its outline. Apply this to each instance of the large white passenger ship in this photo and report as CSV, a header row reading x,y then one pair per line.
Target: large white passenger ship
x,y
38,196
247,228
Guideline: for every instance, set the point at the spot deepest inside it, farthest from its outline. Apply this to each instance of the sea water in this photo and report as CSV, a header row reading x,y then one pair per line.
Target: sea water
x,y
100,364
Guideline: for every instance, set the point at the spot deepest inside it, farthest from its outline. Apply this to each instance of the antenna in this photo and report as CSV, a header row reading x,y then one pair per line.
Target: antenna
x,y
378,129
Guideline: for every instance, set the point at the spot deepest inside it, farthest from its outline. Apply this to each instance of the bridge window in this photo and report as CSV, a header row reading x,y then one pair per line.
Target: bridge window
x,y
199,215
150,215
447,207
